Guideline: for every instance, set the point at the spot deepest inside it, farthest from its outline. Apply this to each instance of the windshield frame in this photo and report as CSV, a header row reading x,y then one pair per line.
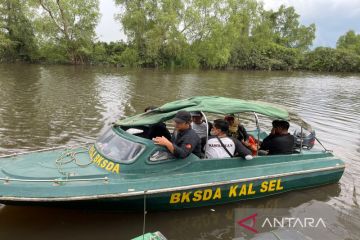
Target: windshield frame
x,y
119,134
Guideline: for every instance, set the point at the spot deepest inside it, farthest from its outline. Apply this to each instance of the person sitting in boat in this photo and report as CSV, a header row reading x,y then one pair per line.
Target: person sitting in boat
x,y
220,145
200,127
280,141
238,131
157,129
186,141
198,124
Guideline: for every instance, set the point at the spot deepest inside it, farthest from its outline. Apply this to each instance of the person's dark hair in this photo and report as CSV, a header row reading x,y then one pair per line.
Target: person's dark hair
x,y
284,125
196,114
230,117
275,123
149,108
221,124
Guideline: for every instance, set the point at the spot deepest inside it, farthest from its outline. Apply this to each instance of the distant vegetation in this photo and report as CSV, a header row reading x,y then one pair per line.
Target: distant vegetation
x,y
207,34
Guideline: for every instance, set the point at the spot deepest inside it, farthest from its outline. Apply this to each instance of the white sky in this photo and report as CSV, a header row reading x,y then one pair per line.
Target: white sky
x,y
108,28
332,18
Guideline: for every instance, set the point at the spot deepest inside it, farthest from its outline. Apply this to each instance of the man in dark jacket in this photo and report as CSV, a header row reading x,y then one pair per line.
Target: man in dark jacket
x,y
186,140
279,141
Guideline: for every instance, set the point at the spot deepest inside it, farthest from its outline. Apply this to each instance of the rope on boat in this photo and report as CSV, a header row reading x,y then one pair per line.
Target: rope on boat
x,y
326,150
69,156
145,212
69,152
40,150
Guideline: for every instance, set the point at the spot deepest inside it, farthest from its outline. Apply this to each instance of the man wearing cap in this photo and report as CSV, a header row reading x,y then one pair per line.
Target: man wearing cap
x,y
198,125
186,140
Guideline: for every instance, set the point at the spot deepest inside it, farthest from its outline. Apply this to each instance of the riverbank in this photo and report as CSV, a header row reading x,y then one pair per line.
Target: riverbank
x,y
312,62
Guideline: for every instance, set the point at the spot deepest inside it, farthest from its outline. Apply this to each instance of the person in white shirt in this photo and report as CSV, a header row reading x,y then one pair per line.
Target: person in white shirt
x,y
222,146
198,125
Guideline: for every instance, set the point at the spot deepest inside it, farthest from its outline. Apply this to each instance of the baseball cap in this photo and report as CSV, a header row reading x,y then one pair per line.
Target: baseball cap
x,y
182,117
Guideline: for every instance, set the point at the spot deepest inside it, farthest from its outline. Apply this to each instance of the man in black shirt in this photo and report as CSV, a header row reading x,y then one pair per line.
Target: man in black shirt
x,y
186,141
279,141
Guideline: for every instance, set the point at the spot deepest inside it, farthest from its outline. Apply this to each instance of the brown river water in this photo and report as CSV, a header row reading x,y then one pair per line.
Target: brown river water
x,y
48,106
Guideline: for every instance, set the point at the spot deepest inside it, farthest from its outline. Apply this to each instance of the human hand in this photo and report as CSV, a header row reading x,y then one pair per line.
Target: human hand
x,y
163,141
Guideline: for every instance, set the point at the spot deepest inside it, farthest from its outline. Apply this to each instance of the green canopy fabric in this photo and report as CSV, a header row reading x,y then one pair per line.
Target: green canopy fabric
x,y
209,104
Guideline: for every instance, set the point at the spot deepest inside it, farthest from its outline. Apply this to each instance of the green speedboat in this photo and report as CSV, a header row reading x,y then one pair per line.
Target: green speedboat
x,y
123,170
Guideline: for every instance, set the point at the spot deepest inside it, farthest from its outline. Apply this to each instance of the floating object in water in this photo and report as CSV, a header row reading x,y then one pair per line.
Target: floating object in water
x,y
151,236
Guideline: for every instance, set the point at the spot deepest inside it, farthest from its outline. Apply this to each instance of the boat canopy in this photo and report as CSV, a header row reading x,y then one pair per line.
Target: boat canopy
x,y
209,104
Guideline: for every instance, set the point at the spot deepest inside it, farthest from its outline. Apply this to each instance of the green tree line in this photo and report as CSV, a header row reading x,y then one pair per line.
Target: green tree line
x,y
208,34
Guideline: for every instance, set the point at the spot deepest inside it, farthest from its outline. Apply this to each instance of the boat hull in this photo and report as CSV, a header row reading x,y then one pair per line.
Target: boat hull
x,y
190,196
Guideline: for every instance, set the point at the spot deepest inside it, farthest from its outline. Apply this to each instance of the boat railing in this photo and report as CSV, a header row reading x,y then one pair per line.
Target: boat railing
x,y
56,181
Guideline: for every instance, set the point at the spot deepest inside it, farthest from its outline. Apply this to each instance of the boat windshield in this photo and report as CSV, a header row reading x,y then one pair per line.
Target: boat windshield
x,y
118,149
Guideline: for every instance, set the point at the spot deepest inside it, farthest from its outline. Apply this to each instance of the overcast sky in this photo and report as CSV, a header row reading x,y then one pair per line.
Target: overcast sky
x,y
331,17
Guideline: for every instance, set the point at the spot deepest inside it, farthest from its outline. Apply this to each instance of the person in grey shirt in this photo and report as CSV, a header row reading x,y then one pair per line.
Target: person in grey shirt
x,y
198,124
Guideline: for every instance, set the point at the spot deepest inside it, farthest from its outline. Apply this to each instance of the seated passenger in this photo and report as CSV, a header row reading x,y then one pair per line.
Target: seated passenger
x,y
157,129
198,124
222,146
200,127
236,130
279,141
186,140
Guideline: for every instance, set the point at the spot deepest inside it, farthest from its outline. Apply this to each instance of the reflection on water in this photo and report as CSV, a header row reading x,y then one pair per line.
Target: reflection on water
x,y
47,106
215,222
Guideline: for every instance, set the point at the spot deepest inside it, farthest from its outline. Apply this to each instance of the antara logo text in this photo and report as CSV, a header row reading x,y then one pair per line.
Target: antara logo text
x,y
248,223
